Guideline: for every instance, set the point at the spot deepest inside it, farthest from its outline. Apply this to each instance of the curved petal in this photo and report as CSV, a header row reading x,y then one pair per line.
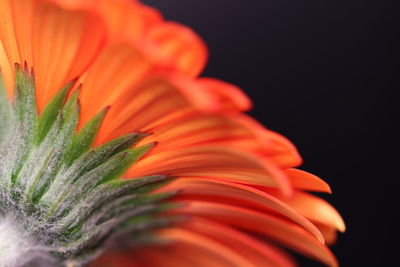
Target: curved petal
x,y
258,253
330,233
212,162
230,95
220,129
184,49
175,45
196,239
238,195
200,129
307,181
315,209
162,256
286,233
150,103
128,20
283,152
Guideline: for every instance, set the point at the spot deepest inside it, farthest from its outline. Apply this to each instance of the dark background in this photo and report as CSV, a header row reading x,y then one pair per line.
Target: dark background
x,y
324,74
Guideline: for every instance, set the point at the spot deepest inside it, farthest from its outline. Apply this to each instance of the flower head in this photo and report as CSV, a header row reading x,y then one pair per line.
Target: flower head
x,y
113,149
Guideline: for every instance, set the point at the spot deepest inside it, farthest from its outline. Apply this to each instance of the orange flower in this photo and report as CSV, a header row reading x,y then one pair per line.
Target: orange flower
x,y
240,198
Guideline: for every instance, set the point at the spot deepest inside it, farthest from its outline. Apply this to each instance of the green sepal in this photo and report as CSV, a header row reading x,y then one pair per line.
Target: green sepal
x,y
70,117
119,164
63,181
25,101
51,111
138,218
113,168
85,138
107,197
26,117
123,205
84,241
6,112
69,121
90,238
148,221
101,154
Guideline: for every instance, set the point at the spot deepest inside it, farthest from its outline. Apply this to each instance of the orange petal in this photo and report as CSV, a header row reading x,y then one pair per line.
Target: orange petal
x,y
143,107
171,255
216,162
64,42
238,195
23,11
229,95
197,256
175,45
272,145
196,239
307,181
7,72
139,106
111,75
157,256
7,31
195,248
180,46
258,253
128,20
217,129
163,256
140,21
329,233
315,209
200,129
282,231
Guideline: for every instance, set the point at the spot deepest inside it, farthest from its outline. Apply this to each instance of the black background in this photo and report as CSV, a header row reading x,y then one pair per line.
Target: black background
x,y
324,74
